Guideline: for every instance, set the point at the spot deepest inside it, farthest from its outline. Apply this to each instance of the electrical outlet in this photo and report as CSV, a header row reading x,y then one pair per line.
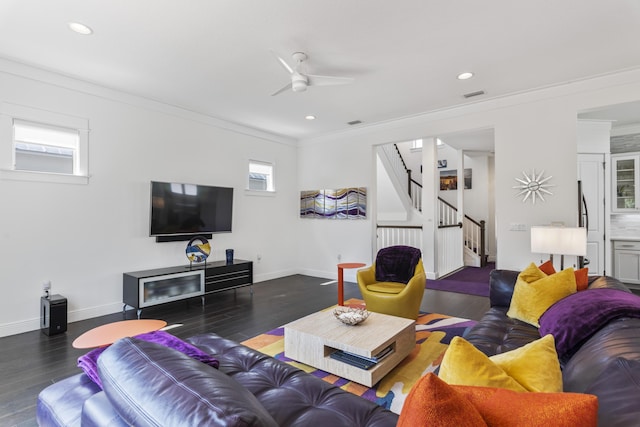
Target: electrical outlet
x,y
517,227
46,285
339,257
259,257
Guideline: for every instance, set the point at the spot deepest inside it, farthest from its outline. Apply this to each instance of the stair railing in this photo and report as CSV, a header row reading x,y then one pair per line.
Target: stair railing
x,y
473,231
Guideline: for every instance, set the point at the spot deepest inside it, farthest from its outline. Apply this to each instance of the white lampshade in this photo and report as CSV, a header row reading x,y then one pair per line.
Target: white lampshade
x,y
559,240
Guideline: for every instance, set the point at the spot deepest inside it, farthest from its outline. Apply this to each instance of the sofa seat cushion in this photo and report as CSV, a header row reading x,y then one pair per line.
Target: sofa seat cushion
x,y
149,384
618,391
97,411
309,400
497,333
618,339
60,404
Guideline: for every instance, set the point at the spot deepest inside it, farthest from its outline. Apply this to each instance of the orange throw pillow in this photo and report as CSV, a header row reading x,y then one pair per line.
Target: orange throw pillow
x,y
582,279
506,408
547,268
582,275
434,403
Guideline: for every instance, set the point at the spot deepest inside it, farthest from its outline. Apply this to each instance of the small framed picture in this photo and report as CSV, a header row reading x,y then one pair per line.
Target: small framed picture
x,y
442,163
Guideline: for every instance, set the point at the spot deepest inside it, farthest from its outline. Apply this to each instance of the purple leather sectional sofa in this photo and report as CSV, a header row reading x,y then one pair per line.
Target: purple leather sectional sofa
x,y
146,384
597,334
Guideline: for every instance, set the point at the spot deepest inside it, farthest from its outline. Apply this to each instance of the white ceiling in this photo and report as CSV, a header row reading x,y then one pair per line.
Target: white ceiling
x,y
214,56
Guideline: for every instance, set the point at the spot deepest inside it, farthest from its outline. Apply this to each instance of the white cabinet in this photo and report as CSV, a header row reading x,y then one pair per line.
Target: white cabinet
x,y
627,261
626,180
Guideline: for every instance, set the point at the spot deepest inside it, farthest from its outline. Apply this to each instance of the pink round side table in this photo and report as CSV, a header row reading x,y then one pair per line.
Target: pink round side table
x,y
112,332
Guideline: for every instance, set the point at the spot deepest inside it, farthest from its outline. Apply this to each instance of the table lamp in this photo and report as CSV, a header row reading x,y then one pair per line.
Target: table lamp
x,y
559,240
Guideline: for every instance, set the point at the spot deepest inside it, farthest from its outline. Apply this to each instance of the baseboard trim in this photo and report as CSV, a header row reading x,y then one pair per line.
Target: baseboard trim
x,y
33,324
29,325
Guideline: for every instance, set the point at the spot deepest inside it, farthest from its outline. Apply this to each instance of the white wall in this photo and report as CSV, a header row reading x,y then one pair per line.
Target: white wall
x,y
83,237
390,206
535,130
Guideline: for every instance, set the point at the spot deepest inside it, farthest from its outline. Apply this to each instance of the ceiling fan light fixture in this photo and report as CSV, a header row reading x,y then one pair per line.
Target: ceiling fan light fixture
x,y
80,28
465,76
299,82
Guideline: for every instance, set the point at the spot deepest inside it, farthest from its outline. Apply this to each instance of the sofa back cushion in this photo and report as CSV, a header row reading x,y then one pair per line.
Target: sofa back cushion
x,y
152,385
501,285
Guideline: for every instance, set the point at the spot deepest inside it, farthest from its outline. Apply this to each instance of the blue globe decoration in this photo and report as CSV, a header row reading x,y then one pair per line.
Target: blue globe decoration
x,y
198,249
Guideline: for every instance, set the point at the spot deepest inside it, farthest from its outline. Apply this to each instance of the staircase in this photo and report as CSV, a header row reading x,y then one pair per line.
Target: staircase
x,y
473,232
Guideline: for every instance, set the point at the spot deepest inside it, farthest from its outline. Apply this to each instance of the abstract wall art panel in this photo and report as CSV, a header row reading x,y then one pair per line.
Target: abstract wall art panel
x,y
342,203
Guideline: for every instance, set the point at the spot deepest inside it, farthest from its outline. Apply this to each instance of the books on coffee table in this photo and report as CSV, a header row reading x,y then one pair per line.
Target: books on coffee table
x,y
358,361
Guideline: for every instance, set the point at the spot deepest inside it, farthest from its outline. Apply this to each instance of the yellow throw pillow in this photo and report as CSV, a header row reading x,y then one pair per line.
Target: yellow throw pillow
x,y
532,273
463,364
532,297
533,367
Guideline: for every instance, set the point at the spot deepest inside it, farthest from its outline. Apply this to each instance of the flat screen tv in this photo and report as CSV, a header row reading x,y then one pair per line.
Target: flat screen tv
x,y
179,209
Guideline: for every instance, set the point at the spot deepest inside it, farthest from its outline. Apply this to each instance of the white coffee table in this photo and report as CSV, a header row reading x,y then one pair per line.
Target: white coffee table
x,y
313,338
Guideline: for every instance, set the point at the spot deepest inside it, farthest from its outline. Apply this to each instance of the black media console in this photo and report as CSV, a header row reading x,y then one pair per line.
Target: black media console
x,y
146,288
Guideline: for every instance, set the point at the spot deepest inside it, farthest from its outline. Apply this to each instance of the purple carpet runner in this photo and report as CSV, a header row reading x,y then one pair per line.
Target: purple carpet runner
x,y
469,280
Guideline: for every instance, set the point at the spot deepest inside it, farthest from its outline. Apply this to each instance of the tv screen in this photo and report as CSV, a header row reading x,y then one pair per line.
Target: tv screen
x,y
179,209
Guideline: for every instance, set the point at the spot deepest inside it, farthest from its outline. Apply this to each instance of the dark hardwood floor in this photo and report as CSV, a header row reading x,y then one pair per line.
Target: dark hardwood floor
x,y
31,361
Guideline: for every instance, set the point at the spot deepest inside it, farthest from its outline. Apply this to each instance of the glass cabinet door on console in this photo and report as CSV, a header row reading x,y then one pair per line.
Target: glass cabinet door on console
x,y
625,183
171,287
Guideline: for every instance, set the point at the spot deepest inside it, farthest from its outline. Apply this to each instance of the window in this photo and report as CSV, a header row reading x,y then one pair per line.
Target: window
x,y
44,148
260,176
416,144
42,145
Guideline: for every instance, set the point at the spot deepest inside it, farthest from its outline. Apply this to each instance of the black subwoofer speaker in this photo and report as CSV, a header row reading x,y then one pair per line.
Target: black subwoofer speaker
x,y
53,314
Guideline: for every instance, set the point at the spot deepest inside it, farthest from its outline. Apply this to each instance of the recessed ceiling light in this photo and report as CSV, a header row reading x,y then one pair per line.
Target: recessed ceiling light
x,y
80,28
464,76
310,117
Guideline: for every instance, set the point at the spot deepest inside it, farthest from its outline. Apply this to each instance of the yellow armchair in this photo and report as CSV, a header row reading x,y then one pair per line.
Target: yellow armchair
x,y
396,299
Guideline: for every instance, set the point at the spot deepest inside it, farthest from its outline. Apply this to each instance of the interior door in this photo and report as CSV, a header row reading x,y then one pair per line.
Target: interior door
x,y
591,173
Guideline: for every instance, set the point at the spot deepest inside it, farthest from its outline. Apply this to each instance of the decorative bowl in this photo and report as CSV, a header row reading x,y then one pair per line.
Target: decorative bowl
x,y
198,249
350,315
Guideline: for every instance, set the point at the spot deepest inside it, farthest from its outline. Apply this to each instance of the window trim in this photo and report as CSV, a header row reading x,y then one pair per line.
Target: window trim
x,y
10,112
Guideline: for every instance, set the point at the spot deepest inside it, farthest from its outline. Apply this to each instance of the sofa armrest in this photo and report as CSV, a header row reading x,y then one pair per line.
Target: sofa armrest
x,y
501,285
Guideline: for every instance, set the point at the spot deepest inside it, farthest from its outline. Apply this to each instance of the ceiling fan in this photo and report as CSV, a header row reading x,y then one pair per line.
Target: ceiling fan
x,y
300,81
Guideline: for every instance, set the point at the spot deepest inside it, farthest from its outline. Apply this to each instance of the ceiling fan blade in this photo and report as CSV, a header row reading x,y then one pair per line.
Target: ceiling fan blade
x,y
285,88
328,80
283,63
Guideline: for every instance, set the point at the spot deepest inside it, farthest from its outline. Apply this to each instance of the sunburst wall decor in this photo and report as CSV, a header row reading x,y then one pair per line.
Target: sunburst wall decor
x,y
533,186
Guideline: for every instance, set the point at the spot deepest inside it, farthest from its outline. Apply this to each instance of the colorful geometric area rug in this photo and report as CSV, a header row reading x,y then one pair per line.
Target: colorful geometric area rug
x,y
434,332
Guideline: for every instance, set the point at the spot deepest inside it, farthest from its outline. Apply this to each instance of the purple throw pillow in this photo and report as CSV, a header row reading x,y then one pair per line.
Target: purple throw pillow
x,y
89,361
397,263
574,319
